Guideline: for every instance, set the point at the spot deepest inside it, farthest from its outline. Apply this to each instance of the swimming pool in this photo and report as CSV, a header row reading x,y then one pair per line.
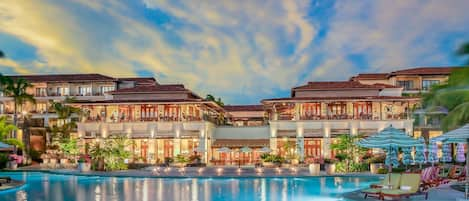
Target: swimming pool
x,y
44,186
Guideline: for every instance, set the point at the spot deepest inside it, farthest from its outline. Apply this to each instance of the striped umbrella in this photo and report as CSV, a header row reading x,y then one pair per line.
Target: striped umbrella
x,y
460,135
406,157
390,139
460,157
446,153
391,157
433,153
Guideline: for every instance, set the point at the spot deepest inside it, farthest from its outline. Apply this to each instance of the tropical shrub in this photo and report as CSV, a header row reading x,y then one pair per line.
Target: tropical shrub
x,y
3,160
180,158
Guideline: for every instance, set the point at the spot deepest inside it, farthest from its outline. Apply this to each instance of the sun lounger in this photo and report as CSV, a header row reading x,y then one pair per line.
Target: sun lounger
x,y
375,189
409,186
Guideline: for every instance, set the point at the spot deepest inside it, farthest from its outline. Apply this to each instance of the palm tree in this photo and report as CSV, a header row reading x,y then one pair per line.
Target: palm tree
x,y
17,89
452,95
64,112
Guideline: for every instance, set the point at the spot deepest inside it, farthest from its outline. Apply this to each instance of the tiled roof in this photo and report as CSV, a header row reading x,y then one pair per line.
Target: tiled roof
x,y
425,71
339,85
151,89
232,108
342,98
136,101
63,77
370,76
140,80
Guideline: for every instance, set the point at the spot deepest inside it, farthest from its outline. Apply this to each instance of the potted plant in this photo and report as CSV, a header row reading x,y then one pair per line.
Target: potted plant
x,y
12,164
314,165
98,154
168,161
181,160
84,163
376,163
195,159
329,166
266,160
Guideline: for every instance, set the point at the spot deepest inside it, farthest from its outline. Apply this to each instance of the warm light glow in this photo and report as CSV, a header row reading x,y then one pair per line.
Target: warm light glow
x,y
182,170
239,170
200,170
294,170
259,170
278,170
219,170
168,169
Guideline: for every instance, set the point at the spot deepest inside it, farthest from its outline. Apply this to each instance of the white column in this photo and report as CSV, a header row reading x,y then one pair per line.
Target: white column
x,y
326,150
203,145
273,138
177,141
300,142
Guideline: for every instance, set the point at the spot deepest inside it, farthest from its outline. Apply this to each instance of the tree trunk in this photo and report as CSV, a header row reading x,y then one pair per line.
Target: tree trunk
x,y
15,118
26,142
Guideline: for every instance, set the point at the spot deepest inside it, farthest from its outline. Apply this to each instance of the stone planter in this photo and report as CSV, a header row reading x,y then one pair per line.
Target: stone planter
x,y
63,161
84,167
330,168
12,165
375,166
268,164
314,168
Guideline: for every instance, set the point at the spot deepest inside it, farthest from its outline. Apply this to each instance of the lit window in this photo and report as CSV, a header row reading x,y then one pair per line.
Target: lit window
x,y
427,84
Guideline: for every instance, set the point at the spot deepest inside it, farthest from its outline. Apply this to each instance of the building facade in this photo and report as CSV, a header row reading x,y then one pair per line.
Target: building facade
x,y
165,120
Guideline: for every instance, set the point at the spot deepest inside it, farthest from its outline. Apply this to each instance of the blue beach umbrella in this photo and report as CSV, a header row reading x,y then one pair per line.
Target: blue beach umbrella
x,y
420,154
460,155
391,157
406,156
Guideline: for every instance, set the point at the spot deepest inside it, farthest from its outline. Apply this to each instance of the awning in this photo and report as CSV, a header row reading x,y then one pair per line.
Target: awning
x,y
241,143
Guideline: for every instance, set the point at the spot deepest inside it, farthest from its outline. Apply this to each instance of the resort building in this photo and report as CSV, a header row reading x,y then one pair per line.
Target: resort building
x,y
317,112
165,120
414,82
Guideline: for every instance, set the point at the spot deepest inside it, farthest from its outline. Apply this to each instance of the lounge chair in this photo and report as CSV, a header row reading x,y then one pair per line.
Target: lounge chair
x,y
408,186
5,179
375,189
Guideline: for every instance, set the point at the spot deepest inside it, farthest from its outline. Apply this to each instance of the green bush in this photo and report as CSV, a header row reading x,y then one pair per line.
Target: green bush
x,y
3,160
382,171
181,158
35,155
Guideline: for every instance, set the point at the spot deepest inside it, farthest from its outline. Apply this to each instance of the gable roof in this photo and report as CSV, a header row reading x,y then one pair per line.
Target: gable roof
x,y
236,108
341,85
370,76
425,71
140,80
63,77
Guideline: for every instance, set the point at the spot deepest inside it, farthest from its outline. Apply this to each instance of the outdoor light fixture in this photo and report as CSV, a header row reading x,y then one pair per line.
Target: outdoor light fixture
x,y
219,170
200,170
259,170
168,169
239,170
182,170
294,170
278,170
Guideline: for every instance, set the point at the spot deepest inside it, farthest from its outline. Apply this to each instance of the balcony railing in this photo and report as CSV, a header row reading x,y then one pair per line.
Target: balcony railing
x,y
347,117
160,118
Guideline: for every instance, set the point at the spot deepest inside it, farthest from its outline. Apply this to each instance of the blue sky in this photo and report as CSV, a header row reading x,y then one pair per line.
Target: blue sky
x,y
242,51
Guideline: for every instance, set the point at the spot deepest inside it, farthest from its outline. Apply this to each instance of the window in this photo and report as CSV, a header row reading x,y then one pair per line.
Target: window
x,y
406,84
41,92
104,89
426,84
62,91
84,91
41,107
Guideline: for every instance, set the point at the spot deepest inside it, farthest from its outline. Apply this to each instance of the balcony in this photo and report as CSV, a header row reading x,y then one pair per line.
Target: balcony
x,y
123,119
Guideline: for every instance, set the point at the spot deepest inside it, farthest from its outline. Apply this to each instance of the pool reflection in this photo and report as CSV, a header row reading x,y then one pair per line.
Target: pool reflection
x,y
59,187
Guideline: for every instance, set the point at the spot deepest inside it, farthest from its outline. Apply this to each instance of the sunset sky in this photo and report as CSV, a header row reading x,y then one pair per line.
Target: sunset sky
x,y
242,51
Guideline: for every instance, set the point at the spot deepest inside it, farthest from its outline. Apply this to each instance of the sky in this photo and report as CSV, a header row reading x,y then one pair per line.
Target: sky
x,y
242,51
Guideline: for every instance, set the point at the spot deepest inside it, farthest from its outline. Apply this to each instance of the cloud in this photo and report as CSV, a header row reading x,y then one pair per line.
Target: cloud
x,y
242,50
391,35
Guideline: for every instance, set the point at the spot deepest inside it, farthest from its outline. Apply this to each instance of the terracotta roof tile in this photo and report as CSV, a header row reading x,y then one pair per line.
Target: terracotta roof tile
x,y
343,98
370,76
232,108
425,71
235,143
151,89
140,80
339,85
63,77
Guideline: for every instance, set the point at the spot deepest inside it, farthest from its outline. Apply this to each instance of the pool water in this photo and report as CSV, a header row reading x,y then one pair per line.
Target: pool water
x,y
43,186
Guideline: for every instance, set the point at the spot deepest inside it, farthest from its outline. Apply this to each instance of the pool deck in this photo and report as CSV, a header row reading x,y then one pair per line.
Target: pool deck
x,y
440,193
